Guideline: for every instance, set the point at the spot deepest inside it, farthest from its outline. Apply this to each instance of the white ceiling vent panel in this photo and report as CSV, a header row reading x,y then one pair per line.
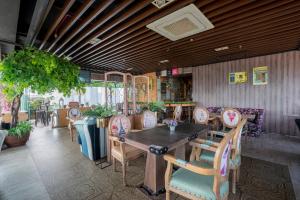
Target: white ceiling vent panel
x,y
182,23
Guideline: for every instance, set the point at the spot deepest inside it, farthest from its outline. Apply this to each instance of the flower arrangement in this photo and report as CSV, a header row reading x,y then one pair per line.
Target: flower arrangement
x,y
172,123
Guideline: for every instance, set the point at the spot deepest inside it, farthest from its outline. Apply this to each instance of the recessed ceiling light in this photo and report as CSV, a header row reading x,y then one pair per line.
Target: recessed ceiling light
x,y
95,41
164,61
161,3
221,48
191,40
129,69
68,57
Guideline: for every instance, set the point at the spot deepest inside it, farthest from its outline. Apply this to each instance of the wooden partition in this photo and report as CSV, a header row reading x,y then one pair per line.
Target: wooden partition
x,y
280,97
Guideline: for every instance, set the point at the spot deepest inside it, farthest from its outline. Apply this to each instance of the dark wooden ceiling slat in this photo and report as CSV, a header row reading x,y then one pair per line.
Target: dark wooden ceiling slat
x,y
261,22
86,4
85,22
200,35
97,24
67,5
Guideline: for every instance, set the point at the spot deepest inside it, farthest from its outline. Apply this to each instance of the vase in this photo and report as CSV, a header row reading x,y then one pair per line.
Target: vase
x,y
172,128
14,141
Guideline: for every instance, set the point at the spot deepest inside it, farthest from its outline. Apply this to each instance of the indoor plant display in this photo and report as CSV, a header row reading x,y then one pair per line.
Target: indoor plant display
x,y
102,113
39,70
18,135
172,124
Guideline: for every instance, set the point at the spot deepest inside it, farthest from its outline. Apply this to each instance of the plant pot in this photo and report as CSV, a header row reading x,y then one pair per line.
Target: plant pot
x,y
103,122
13,141
172,128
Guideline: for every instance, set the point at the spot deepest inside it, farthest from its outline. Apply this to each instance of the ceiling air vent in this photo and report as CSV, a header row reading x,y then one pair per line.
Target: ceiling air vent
x,y
182,23
161,3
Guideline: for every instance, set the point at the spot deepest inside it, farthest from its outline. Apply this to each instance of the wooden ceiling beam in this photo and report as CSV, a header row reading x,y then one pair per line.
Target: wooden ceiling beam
x,y
97,24
199,4
261,36
85,22
83,8
148,15
66,7
263,25
200,36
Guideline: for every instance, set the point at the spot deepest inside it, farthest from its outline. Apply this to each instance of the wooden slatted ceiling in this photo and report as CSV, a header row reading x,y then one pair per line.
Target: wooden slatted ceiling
x,y
249,28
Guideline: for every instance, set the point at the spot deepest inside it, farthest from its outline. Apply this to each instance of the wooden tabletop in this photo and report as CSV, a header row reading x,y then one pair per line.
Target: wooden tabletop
x,y
162,137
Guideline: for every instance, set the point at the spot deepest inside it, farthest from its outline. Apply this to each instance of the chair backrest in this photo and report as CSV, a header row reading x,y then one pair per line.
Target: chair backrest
x,y
231,117
177,112
237,138
201,115
74,113
119,125
222,155
149,119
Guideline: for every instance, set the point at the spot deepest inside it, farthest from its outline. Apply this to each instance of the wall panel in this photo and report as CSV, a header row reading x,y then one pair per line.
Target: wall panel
x,y
280,98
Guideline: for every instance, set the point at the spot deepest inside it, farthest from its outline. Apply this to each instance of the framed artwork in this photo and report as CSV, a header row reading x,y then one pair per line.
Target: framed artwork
x,y
237,77
260,75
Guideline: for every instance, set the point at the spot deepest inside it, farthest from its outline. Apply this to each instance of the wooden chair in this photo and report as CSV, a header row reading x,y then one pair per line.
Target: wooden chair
x,y
73,115
177,113
119,125
230,118
207,152
201,115
149,119
198,180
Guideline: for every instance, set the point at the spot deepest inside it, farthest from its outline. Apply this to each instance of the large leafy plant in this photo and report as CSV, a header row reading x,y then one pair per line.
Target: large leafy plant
x,y
41,71
99,112
157,106
22,129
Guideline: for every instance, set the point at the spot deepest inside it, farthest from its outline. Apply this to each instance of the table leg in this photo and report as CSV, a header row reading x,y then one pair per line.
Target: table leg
x,y
154,174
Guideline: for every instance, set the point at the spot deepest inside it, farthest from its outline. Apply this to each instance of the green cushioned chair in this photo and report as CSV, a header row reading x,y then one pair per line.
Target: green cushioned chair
x,y
207,153
200,180
197,185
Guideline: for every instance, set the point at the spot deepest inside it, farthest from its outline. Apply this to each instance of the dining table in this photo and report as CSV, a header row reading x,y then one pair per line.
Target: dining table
x,y
157,142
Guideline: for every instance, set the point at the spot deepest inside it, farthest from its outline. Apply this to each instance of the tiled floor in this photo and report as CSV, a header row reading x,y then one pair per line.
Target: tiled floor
x,y
50,166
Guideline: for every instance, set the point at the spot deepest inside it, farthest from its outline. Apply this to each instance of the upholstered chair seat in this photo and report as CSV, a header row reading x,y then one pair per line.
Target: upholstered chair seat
x,y
197,185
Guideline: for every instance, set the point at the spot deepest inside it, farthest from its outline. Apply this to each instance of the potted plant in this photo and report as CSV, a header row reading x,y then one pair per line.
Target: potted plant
x,y
158,107
101,113
41,71
172,124
18,135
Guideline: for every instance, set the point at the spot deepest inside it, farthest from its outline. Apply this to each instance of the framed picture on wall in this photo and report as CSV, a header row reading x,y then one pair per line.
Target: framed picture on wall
x,y
237,77
260,75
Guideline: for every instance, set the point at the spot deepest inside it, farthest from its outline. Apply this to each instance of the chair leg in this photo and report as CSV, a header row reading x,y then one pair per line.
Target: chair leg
x,y
168,195
124,172
234,178
238,175
114,164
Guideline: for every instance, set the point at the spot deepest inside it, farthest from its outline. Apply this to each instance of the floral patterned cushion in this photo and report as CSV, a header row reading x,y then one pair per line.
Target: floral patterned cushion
x,y
255,126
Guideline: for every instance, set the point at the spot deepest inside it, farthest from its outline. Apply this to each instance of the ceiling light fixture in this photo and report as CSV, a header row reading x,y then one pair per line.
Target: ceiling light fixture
x,y
95,41
222,48
129,69
68,57
161,3
164,61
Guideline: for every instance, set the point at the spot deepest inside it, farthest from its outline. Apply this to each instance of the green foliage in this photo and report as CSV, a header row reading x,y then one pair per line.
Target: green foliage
x,y
35,104
22,129
39,70
158,106
106,84
99,112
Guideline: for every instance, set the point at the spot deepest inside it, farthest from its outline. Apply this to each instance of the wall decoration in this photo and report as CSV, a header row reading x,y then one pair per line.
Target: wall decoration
x,y
260,75
237,77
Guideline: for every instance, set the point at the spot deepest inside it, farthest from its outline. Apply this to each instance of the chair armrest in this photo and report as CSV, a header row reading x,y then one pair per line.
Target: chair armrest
x,y
188,166
208,142
114,138
203,146
135,130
